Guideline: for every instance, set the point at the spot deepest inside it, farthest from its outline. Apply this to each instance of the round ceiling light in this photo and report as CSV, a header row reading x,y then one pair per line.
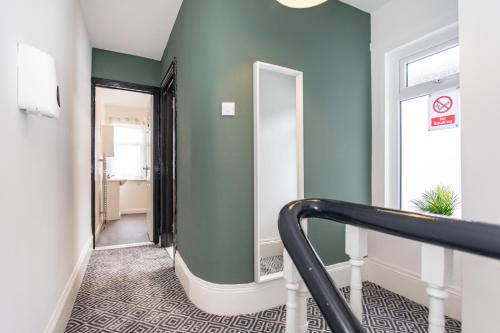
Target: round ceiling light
x,y
301,3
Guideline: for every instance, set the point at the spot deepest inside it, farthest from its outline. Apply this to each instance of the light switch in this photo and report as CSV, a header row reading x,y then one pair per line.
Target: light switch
x,y
228,109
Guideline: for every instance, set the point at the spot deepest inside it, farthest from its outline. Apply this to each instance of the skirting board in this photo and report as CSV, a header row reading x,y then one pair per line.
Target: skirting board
x,y
122,246
271,247
409,285
133,211
99,230
64,306
239,299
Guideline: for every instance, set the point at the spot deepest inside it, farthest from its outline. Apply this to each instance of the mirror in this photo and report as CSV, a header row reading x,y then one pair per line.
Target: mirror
x,y
278,160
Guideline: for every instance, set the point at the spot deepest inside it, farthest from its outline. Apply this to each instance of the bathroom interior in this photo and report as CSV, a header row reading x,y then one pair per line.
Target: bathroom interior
x,y
123,152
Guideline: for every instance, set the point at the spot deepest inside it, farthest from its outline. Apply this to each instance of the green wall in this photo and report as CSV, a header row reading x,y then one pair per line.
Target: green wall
x,y
216,43
125,67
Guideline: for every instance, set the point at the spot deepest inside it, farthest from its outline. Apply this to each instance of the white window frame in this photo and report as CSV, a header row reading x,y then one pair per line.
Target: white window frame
x,y
429,87
397,92
143,148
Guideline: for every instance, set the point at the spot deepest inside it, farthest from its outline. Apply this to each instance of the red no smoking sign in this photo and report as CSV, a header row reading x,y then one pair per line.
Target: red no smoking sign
x,y
442,104
444,110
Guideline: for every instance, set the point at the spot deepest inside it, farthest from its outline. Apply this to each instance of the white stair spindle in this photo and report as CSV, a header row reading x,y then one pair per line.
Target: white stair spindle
x,y
437,297
356,247
296,304
437,267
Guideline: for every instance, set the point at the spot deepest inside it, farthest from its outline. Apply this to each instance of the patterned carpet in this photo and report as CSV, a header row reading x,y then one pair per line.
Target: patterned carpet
x,y
135,290
270,265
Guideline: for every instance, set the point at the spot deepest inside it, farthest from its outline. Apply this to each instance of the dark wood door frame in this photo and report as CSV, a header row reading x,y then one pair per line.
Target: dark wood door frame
x,y
166,182
155,92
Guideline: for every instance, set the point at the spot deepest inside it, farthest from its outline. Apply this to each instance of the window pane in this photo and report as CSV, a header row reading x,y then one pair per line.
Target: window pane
x,y
127,161
128,135
428,158
436,66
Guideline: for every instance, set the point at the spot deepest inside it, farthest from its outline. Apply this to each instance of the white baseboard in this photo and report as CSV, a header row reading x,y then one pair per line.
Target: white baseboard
x,y
64,306
409,285
229,299
271,247
99,230
133,211
340,273
122,246
239,299
170,251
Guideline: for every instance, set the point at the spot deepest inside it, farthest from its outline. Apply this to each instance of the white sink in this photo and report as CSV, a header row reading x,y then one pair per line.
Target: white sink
x,y
121,181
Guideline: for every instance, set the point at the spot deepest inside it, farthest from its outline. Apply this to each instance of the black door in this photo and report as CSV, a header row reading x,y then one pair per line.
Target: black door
x,y
166,160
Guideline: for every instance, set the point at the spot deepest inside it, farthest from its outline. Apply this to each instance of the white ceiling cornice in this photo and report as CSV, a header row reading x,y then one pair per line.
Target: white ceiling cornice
x,y
137,27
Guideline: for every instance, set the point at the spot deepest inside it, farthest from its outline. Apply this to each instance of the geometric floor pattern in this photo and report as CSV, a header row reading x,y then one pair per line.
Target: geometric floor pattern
x,y
135,290
270,265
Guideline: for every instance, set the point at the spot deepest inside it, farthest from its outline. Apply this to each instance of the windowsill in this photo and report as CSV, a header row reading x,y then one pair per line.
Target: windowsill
x,y
129,179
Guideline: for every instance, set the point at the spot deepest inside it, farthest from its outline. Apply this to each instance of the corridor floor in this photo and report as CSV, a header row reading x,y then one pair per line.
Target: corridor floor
x,y
129,229
135,290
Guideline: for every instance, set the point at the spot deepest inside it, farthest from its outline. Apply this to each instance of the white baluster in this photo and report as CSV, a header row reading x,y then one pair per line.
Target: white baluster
x,y
356,247
296,304
437,297
437,267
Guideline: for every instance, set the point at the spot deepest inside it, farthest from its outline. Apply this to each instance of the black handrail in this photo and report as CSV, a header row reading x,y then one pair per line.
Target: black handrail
x,y
471,237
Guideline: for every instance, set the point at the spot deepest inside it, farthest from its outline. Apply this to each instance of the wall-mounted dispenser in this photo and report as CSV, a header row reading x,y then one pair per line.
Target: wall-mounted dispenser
x,y
37,89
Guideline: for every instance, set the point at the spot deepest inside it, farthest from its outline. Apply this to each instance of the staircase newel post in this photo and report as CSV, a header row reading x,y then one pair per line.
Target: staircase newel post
x,y
356,248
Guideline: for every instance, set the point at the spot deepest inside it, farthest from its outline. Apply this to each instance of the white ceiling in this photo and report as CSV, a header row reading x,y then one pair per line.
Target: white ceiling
x,y
366,5
130,99
143,27
138,27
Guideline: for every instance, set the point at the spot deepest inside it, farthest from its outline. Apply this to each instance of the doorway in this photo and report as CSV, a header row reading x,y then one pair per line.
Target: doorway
x,y
123,191
124,168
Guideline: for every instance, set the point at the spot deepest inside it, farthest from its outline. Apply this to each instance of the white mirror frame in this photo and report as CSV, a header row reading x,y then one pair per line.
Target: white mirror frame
x,y
257,68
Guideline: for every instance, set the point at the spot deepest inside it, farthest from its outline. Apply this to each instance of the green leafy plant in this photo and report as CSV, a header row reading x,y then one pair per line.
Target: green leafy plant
x,y
439,200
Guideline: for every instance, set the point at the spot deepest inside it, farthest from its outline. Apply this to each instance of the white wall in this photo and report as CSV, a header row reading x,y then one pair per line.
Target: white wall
x,y
44,174
393,26
480,84
134,197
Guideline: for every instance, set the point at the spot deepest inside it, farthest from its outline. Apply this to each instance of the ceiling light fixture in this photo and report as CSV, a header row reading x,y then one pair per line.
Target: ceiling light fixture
x,y
301,3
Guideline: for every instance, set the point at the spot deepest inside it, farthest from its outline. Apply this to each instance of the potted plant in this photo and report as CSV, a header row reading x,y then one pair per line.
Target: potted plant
x,y
440,200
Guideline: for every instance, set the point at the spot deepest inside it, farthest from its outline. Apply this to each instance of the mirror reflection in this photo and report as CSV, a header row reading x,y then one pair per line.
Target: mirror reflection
x,y
278,144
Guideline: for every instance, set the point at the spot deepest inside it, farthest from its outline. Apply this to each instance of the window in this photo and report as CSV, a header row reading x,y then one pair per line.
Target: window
x,y
433,67
129,161
428,157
